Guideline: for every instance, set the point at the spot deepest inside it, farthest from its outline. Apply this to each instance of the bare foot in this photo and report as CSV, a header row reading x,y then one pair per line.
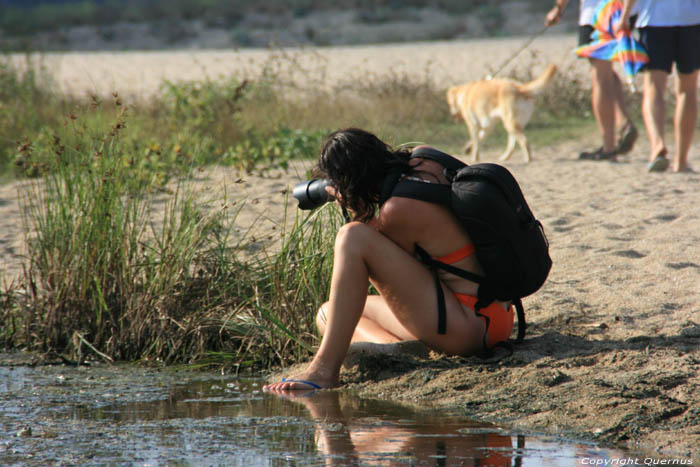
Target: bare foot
x,y
303,381
684,169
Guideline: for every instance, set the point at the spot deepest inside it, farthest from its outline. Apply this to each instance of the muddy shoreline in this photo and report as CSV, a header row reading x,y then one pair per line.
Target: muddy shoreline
x,y
549,387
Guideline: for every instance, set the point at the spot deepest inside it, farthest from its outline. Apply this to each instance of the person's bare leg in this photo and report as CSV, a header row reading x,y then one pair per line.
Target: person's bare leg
x,y
377,323
409,291
621,116
654,110
603,100
685,118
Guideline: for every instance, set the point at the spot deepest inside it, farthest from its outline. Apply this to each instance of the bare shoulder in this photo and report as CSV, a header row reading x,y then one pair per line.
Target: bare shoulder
x,y
404,220
400,211
412,217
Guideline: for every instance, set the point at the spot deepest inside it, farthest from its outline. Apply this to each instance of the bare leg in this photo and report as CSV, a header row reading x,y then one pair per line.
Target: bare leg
x,y
377,323
408,290
654,110
621,115
685,118
607,101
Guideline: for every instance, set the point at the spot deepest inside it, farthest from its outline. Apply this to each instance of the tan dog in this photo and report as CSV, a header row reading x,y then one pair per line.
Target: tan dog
x,y
481,103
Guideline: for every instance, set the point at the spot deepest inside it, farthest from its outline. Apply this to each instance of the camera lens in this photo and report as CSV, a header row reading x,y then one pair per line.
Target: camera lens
x,y
312,194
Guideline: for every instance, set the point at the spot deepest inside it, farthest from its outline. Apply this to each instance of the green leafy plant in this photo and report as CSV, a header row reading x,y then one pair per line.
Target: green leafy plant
x,y
275,151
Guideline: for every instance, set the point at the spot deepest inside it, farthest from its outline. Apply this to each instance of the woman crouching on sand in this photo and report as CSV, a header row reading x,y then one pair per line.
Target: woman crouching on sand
x,y
378,247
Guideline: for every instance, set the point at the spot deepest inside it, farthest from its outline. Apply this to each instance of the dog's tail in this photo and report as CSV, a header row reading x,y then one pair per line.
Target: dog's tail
x,y
538,84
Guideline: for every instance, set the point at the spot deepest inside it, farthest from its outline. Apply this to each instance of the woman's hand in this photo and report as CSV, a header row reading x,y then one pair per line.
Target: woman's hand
x,y
622,26
332,192
554,15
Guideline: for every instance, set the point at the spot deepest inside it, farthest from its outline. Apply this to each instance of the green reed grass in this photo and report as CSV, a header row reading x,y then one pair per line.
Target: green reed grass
x,y
106,278
282,290
92,272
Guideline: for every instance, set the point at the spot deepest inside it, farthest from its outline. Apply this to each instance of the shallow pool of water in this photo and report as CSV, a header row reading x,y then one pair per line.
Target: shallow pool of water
x,y
121,415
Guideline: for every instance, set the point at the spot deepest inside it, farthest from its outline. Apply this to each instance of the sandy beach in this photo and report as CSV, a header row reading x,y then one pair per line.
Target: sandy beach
x,y
444,63
613,345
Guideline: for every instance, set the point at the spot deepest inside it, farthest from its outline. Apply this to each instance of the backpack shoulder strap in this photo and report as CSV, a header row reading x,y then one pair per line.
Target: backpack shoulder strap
x,y
449,162
431,192
412,189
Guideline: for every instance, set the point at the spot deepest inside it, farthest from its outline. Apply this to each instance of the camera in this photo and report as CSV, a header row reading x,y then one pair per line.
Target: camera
x,y
312,193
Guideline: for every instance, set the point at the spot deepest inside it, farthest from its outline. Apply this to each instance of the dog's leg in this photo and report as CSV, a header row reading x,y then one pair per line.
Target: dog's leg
x,y
513,118
485,127
524,144
472,145
510,147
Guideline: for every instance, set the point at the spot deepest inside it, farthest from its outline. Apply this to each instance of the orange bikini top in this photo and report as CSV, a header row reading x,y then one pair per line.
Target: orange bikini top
x,y
464,252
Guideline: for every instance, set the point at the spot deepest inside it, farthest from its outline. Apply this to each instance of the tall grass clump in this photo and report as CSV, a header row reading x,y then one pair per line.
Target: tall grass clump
x,y
274,298
109,275
93,276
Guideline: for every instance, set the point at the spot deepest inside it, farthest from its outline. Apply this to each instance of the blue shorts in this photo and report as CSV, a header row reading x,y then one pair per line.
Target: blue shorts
x,y
666,45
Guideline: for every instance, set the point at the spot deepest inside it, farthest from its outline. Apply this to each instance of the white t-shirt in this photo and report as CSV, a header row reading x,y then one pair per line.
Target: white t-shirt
x,y
588,7
586,11
667,12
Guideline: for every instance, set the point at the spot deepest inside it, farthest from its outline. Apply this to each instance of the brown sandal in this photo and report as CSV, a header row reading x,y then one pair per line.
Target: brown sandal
x,y
628,137
598,155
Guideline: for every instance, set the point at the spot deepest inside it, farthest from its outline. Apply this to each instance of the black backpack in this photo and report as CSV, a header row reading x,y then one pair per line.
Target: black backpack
x,y
510,243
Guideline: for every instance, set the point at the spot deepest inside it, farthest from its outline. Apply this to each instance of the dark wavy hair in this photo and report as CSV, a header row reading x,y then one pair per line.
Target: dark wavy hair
x,y
356,162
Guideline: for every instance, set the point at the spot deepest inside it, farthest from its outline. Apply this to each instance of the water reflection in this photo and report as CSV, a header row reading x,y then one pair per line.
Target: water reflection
x,y
345,435
329,428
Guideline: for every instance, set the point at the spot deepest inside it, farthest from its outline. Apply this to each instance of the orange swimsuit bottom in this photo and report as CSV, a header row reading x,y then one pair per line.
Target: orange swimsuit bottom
x,y
498,320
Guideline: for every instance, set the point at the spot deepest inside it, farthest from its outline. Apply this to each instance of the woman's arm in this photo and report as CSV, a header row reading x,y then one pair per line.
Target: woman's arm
x,y
554,15
401,219
623,23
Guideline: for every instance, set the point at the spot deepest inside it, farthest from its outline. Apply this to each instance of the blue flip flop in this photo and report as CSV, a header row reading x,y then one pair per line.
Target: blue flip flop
x,y
309,383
